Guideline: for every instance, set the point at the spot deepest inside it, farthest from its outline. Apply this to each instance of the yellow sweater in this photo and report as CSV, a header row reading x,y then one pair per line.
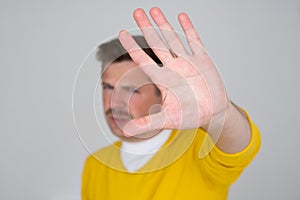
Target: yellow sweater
x,y
177,171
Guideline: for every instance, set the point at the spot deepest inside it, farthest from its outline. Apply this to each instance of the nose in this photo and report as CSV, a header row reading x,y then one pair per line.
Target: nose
x,y
119,98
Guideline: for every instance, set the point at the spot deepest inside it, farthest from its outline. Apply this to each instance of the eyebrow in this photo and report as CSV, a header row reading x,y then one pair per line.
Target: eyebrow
x,y
106,84
126,87
129,87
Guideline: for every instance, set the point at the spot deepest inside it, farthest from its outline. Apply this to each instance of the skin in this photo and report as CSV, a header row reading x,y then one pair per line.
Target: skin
x,y
191,78
128,93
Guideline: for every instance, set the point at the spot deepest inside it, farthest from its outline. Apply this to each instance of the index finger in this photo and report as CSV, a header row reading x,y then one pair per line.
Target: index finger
x,y
152,37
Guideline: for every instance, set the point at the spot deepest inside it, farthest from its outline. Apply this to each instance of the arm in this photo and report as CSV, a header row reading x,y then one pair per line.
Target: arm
x,y
192,91
235,133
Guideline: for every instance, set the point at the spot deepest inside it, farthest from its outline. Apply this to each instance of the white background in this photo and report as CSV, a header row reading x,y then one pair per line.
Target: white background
x,y
256,45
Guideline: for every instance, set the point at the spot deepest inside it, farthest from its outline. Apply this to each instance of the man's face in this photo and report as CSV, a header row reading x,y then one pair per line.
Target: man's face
x,y
127,93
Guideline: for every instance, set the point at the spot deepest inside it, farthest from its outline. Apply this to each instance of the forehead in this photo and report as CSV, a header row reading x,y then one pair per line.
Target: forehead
x,y
124,72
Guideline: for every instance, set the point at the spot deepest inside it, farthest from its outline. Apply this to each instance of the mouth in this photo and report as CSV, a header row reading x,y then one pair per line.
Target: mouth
x,y
120,121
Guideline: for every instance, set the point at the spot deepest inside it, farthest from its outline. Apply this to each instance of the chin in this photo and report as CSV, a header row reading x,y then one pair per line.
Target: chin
x,y
116,131
119,133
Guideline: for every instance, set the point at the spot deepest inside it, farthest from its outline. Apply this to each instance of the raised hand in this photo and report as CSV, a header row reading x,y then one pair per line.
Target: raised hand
x,y
192,90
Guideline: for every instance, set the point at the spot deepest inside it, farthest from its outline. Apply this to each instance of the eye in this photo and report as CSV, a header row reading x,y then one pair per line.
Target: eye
x,y
107,87
132,90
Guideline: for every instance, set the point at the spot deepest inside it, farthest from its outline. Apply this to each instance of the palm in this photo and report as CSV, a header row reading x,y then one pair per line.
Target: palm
x,y
191,88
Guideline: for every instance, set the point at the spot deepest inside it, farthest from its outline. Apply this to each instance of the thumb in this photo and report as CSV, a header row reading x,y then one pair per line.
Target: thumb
x,y
145,126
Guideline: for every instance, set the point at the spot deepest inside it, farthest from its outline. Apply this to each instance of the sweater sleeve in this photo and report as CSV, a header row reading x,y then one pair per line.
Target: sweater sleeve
x,y
85,179
90,177
225,168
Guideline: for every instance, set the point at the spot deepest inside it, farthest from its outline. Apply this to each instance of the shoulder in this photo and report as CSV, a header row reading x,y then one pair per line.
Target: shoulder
x,y
107,151
108,156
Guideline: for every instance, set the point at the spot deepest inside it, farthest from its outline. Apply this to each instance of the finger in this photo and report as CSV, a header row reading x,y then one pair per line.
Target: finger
x,y
138,55
134,50
139,126
174,42
152,37
191,34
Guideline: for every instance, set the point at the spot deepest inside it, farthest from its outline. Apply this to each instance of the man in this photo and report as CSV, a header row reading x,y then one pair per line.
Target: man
x,y
181,136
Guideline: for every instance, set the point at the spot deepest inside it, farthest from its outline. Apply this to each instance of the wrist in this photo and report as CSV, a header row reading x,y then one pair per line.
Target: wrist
x,y
225,118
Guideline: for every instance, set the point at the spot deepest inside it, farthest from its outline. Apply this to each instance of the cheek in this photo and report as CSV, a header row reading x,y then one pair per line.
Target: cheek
x,y
138,106
106,100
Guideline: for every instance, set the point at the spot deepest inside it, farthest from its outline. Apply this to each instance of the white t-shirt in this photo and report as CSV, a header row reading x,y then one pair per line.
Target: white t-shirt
x,y
135,155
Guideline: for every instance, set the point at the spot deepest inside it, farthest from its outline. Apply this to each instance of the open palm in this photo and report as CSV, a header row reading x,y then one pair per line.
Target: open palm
x,y
191,87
